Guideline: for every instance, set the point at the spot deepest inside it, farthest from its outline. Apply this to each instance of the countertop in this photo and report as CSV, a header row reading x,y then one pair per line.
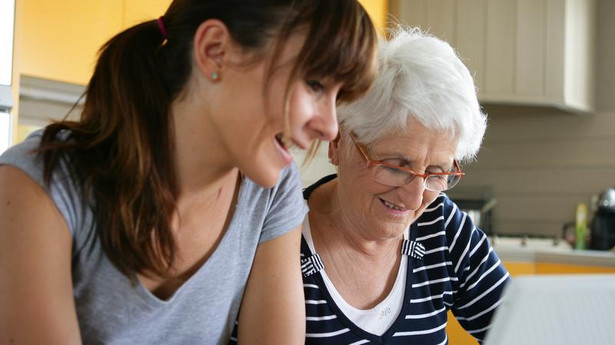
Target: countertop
x,y
516,249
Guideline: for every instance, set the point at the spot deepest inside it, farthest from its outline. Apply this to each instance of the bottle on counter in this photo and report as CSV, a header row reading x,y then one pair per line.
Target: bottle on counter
x,y
580,238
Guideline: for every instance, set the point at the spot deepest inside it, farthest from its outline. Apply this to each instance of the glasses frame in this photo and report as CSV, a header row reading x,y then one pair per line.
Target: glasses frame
x,y
372,163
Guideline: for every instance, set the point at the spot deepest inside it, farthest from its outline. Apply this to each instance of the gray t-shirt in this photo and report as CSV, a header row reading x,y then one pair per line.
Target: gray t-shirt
x,y
112,310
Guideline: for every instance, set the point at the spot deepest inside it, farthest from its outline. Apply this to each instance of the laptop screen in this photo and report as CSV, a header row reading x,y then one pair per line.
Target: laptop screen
x,y
556,309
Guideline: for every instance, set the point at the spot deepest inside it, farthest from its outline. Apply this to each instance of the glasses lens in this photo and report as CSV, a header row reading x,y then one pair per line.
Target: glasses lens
x,y
440,183
436,183
389,175
453,180
395,177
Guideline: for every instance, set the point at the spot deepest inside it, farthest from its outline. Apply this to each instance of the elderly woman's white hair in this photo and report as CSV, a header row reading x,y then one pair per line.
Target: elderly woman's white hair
x,y
421,77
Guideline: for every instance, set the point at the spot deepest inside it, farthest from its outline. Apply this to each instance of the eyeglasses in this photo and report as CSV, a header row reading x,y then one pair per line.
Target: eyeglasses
x,y
396,176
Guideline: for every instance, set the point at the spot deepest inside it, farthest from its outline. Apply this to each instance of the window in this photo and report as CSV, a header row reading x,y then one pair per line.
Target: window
x,y
7,25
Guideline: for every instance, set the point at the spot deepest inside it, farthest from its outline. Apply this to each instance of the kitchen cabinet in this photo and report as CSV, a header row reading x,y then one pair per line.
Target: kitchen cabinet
x,y
60,39
532,53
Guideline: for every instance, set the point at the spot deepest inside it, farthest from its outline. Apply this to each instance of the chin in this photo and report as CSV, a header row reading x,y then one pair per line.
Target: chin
x,y
262,167
393,229
266,178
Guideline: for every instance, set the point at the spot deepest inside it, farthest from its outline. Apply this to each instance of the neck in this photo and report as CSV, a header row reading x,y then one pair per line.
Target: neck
x,y
202,164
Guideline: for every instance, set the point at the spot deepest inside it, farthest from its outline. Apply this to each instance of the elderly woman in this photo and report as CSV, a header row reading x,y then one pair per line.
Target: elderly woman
x,y
385,252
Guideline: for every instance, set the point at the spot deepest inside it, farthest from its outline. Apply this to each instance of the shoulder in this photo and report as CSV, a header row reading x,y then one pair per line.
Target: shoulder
x,y
25,203
275,210
23,156
61,188
444,225
26,157
307,192
442,213
289,178
447,213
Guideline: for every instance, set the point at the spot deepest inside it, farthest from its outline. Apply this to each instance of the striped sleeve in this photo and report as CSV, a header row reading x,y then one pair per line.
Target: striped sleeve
x,y
481,276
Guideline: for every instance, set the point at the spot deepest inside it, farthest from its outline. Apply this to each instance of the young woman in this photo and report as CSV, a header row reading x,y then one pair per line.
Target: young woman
x,y
172,203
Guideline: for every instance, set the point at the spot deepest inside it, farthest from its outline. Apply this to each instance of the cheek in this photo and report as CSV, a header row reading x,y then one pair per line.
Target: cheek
x,y
358,179
273,99
358,188
274,106
301,107
428,198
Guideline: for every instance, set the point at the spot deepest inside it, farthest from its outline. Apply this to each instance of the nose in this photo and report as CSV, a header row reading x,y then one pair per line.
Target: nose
x,y
324,124
411,194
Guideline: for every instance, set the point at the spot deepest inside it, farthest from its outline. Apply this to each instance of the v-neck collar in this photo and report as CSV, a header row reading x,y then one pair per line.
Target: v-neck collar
x,y
233,224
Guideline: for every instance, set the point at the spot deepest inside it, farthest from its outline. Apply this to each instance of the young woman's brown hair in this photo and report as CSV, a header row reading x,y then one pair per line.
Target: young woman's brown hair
x,y
122,147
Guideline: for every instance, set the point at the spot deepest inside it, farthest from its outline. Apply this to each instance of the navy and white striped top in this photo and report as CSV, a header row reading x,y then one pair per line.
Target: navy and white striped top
x,y
451,266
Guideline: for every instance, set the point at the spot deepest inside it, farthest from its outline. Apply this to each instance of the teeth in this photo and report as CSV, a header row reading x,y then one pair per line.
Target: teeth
x,y
280,141
389,205
287,142
284,141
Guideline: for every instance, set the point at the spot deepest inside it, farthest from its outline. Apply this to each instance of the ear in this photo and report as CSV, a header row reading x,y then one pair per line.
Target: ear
x,y
212,42
334,149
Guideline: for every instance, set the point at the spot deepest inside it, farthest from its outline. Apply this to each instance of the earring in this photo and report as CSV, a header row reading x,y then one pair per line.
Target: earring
x,y
214,75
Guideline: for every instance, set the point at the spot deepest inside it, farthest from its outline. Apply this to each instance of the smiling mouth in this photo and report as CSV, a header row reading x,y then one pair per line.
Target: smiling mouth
x,y
280,139
393,206
283,149
287,143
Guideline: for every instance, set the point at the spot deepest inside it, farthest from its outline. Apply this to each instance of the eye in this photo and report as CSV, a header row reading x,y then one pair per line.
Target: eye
x,y
436,170
315,85
398,162
392,170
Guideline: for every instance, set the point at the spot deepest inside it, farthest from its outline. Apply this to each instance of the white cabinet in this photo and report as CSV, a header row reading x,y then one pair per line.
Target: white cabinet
x,y
522,52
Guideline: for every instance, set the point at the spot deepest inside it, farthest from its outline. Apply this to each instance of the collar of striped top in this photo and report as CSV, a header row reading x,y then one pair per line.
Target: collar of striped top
x,y
313,264
413,249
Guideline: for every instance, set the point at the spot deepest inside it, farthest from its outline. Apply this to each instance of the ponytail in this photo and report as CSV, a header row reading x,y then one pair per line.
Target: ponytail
x,y
121,151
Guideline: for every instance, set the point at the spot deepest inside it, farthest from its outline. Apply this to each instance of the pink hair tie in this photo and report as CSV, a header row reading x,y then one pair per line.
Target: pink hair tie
x,y
163,30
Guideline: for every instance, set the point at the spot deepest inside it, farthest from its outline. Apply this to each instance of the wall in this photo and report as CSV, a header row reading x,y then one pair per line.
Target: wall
x,y
60,38
377,10
56,43
541,165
